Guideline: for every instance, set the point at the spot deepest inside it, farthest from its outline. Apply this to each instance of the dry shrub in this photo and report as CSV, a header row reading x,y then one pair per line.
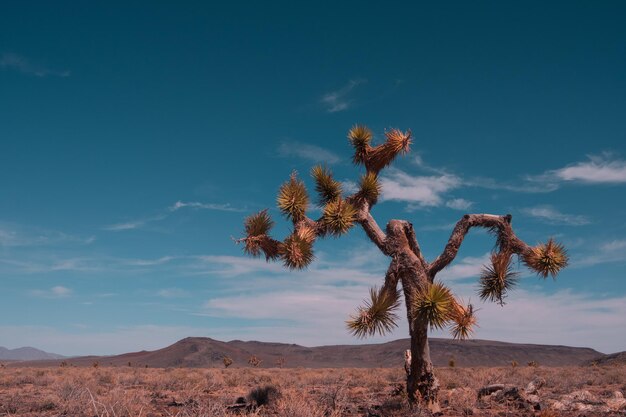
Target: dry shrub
x,y
301,407
261,396
334,397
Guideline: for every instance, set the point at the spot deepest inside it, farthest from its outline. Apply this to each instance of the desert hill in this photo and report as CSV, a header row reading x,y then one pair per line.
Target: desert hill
x,y
618,358
195,352
26,354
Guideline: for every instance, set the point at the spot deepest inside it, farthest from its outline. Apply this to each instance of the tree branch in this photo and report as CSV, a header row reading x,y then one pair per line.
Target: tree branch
x,y
415,247
501,225
391,279
371,228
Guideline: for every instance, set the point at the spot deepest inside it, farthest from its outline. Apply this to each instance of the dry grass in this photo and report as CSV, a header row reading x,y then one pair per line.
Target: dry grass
x,y
140,392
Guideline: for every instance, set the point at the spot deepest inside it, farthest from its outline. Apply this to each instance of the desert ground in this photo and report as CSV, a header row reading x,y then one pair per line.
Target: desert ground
x,y
150,392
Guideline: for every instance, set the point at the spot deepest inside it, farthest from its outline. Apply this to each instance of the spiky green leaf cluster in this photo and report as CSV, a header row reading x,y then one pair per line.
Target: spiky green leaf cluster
x,y
293,199
435,304
339,216
463,321
360,137
377,315
257,240
547,259
382,155
497,278
258,224
369,188
326,186
296,251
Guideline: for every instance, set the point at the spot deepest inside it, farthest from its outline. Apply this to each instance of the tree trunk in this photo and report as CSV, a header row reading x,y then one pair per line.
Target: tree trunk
x,y
409,265
422,385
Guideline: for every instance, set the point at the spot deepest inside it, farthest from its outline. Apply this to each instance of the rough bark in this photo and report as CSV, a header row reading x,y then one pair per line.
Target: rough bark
x,y
422,385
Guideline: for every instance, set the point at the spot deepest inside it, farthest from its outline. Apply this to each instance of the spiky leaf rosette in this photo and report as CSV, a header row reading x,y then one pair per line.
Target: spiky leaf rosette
x,y
463,321
296,251
360,137
258,224
434,303
369,188
306,233
293,199
498,278
382,155
339,216
257,239
377,315
326,186
546,259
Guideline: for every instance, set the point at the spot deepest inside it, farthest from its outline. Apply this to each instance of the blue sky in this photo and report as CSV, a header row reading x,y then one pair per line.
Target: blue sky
x,y
135,138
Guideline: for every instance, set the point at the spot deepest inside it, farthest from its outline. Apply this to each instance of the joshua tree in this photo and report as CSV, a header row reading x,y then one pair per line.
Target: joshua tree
x,y
429,303
254,361
227,361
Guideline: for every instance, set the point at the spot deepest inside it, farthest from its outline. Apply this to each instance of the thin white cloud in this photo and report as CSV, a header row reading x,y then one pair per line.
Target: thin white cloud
x,y
468,267
150,262
305,151
349,186
14,235
599,169
172,293
46,265
459,204
438,227
609,252
117,227
54,292
524,187
563,318
421,191
205,206
318,303
18,63
140,223
551,215
234,265
614,246
134,224
339,100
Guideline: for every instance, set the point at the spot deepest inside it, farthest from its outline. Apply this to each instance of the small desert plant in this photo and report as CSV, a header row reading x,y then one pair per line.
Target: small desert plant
x,y
227,361
533,364
95,364
263,395
254,361
451,363
514,364
63,364
280,362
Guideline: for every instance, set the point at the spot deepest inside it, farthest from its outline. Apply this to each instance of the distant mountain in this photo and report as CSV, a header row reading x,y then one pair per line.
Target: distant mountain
x,y
26,354
197,352
618,358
